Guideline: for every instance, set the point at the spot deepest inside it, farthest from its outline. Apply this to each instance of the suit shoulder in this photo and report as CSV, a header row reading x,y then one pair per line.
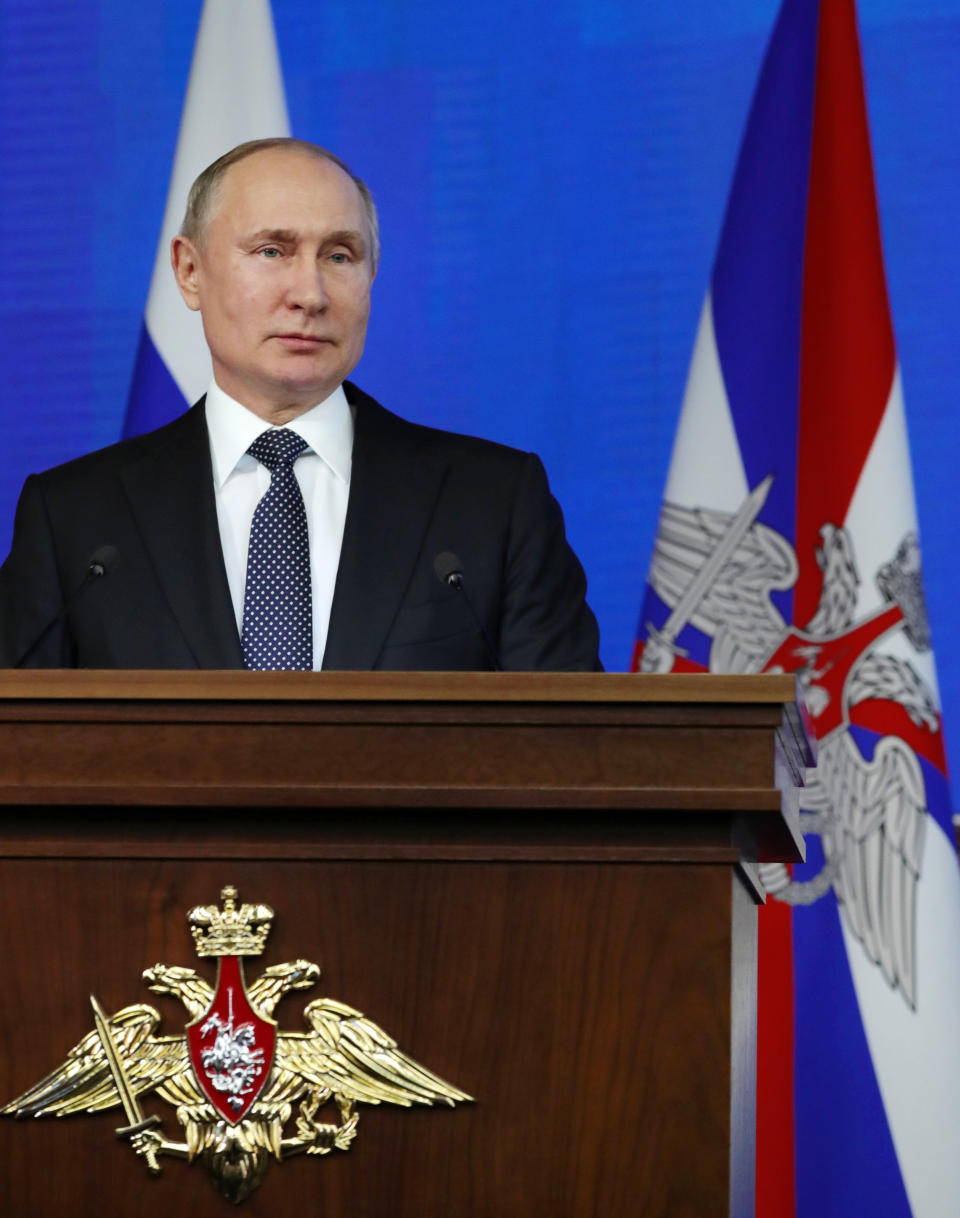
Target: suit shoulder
x,y
449,445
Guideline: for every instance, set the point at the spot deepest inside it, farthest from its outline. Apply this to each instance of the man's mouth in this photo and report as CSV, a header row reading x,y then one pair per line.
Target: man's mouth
x,y
304,342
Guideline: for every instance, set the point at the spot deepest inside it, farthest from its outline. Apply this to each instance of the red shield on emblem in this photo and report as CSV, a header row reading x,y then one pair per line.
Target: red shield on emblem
x,y
231,1046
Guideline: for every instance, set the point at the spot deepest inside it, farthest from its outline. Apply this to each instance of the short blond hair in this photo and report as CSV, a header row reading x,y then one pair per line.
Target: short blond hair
x,y
200,200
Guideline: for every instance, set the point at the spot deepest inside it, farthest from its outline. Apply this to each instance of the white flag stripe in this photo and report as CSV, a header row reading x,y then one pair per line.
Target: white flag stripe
x,y
706,466
880,515
235,93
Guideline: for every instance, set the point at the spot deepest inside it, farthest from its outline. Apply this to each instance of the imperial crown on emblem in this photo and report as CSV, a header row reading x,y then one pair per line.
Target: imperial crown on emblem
x,y
232,1077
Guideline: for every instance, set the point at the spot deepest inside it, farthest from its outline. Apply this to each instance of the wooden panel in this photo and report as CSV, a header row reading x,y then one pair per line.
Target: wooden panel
x,y
501,688
351,833
344,756
551,742
586,1006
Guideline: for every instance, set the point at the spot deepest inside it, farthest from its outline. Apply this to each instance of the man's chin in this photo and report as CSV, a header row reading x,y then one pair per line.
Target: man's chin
x,y
295,378
290,392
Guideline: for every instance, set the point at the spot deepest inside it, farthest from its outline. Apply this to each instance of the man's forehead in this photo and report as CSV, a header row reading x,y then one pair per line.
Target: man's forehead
x,y
274,176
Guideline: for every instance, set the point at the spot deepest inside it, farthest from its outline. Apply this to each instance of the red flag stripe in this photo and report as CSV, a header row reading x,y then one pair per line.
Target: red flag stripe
x,y
848,355
776,1166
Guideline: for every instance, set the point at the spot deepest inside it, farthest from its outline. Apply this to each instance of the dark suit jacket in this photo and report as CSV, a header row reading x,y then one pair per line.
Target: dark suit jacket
x,y
414,493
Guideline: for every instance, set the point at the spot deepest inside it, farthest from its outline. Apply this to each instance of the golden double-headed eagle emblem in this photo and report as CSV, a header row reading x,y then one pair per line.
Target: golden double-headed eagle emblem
x,y
233,1077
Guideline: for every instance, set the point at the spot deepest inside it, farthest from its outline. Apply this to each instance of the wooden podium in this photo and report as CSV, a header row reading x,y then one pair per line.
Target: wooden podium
x,y
543,886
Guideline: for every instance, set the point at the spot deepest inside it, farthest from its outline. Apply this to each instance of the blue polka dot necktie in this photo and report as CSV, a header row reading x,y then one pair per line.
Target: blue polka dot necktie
x,y
277,605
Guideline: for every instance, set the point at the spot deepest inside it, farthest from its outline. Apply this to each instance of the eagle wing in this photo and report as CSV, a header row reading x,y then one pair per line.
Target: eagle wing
x,y
736,609
876,844
841,581
349,1055
83,1083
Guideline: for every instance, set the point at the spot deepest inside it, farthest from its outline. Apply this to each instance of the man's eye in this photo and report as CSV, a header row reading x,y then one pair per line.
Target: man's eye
x,y
270,251
340,257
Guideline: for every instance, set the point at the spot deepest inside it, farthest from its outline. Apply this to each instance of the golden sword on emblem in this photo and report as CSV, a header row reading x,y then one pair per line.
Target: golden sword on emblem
x,y
130,1106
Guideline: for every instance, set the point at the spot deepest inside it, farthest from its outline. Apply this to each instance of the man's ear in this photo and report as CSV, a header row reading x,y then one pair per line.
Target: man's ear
x,y
185,260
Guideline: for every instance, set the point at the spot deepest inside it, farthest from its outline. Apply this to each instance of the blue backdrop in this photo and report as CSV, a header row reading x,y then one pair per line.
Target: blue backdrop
x,y
551,178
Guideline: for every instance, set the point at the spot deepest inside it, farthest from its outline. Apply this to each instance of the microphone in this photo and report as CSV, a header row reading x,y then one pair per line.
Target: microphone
x,y
449,570
101,562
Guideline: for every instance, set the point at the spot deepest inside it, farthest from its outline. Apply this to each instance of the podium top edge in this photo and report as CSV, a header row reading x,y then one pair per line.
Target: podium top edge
x,y
235,686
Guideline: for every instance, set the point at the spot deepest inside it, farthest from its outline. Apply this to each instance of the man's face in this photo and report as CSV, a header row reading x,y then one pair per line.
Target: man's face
x,y
282,278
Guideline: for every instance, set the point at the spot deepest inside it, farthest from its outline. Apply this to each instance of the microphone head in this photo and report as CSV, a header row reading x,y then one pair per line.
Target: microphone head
x,y
103,560
448,568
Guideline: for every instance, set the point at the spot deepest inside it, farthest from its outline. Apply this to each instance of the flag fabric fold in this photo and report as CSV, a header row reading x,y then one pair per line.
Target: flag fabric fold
x,y
234,93
788,542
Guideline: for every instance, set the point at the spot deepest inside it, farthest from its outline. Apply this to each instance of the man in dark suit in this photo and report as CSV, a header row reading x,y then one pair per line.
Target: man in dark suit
x,y
278,252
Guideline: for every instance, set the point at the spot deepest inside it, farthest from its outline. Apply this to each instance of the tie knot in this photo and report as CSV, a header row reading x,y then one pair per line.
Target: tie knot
x,y
277,447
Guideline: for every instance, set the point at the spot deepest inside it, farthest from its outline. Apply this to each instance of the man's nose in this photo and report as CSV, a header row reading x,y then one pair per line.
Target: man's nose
x,y
307,288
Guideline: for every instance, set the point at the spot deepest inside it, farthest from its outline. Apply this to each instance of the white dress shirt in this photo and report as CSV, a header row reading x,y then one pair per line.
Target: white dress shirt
x,y
240,482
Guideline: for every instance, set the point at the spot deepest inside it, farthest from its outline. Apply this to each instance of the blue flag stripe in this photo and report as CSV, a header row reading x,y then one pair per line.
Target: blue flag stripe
x,y
758,273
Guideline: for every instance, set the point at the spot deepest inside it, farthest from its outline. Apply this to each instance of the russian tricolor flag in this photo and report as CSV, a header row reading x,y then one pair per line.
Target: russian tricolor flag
x,y
235,93
788,541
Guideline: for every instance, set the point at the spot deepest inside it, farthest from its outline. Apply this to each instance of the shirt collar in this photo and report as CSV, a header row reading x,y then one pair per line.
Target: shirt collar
x,y
232,428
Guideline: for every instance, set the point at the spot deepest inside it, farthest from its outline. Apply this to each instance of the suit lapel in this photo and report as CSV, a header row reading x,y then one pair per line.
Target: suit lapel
x,y
170,488
393,490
